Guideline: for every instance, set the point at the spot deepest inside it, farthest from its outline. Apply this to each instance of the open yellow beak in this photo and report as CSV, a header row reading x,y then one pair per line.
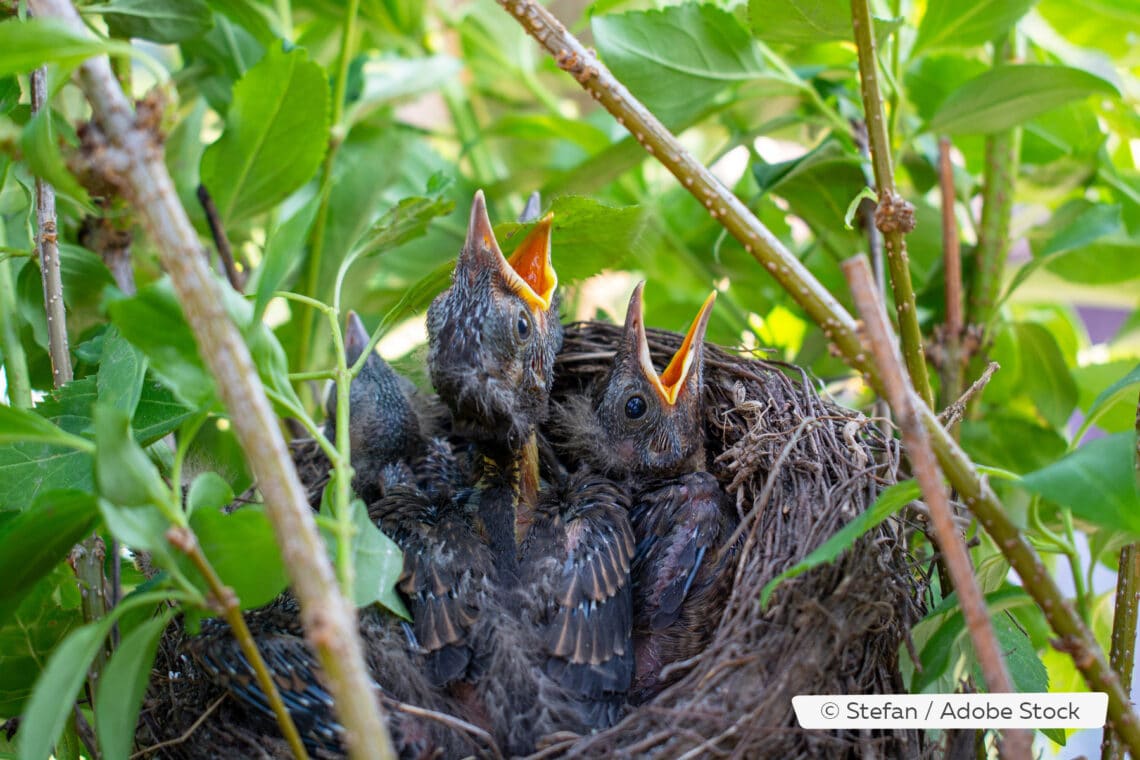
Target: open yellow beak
x,y
534,277
670,382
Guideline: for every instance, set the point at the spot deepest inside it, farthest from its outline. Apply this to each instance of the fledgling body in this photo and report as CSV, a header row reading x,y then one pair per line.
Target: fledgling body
x,y
647,430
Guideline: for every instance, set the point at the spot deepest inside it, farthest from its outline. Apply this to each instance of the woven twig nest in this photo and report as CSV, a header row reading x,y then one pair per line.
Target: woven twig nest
x,y
799,467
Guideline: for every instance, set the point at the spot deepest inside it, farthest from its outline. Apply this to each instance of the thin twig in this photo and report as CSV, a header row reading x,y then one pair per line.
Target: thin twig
x,y
952,359
184,540
221,241
185,734
84,731
953,414
134,156
451,722
1002,150
87,556
894,217
1018,743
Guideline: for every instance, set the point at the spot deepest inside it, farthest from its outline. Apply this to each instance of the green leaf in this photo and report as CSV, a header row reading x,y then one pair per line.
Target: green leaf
x,y
966,23
1095,221
378,562
800,22
1097,482
1125,387
889,502
284,254
1047,380
162,21
157,413
139,527
1108,26
152,320
679,59
35,541
1021,659
407,221
277,130
208,491
242,550
587,236
48,613
121,373
42,152
9,94
36,41
941,647
122,686
22,425
388,79
124,474
56,689
1010,95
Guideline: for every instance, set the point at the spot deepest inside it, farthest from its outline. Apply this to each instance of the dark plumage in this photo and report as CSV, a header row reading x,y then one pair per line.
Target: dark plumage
x,y
278,636
647,429
575,566
493,335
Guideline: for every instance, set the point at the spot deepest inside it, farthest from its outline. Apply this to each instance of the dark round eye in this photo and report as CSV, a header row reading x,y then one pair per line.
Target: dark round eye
x,y
523,325
635,407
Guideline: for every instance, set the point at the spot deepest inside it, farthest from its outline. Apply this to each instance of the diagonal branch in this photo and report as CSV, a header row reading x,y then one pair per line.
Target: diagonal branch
x,y
134,157
1018,743
839,328
894,217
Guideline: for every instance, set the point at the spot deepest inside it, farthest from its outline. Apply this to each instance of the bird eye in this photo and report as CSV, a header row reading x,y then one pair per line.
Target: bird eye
x,y
635,407
523,325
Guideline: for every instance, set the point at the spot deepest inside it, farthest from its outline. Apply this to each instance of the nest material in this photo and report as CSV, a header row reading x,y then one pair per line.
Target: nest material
x,y
799,468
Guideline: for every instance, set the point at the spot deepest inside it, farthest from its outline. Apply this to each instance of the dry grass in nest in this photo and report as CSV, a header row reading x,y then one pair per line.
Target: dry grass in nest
x,y
799,468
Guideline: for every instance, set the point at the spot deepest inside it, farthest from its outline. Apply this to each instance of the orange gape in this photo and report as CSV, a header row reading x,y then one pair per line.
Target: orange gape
x,y
531,262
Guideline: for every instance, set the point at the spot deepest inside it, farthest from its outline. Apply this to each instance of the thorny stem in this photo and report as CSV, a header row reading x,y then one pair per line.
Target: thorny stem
x,y
997,209
954,553
87,557
839,327
317,238
135,159
1122,655
184,540
952,364
894,216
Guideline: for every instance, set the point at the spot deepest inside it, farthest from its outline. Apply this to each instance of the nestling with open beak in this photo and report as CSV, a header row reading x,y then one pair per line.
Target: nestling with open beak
x,y
648,429
492,337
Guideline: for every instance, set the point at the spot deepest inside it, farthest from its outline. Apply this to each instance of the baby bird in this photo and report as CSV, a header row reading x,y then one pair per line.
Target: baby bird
x,y
492,338
647,429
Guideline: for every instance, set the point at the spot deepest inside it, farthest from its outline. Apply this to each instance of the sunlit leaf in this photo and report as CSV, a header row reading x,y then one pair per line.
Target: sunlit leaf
x,y
242,550
966,23
36,41
1097,482
276,134
676,60
284,254
1010,95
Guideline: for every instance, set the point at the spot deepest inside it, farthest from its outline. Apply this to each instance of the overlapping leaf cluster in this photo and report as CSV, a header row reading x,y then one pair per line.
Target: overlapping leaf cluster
x,y
341,148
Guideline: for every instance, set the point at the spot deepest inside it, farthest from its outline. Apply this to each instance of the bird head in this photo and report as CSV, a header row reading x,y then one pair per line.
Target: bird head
x,y
383,426
652,422
494,332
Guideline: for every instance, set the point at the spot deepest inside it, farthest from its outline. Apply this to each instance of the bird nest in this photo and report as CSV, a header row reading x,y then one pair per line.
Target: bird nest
x,y
798,467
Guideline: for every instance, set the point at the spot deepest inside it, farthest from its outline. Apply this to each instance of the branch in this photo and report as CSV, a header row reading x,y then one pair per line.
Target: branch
x,y
87,557
839,328
952,360
1002,149
184,540
135,157
1018,743
1122,655
894,216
